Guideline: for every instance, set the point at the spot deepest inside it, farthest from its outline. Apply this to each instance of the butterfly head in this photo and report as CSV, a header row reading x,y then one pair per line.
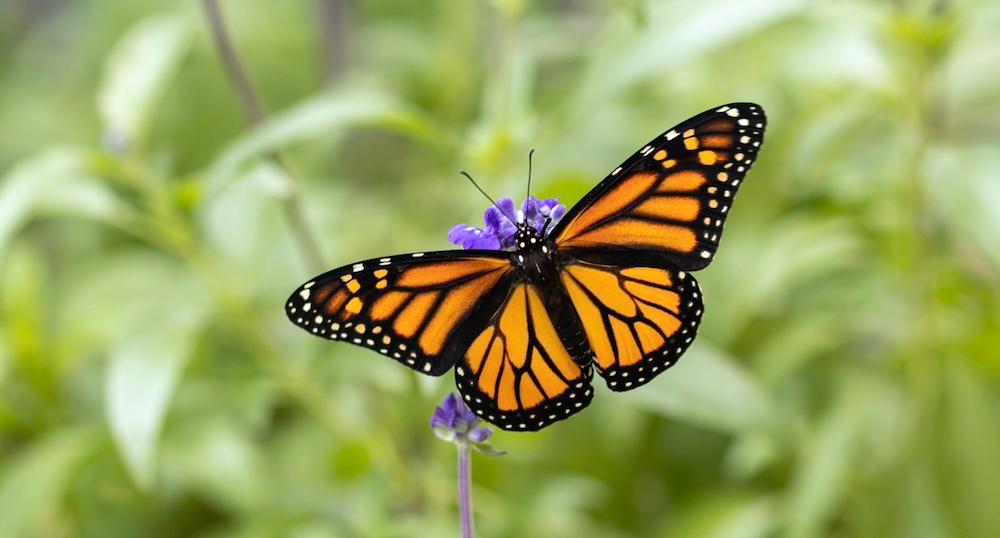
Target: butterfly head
x,y
533,252
527,238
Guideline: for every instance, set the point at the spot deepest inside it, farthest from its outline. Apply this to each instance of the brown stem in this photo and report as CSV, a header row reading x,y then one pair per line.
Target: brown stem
x,y
292,202
333,28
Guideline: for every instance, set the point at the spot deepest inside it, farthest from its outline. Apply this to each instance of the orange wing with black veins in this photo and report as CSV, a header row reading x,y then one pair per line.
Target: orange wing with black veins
x,y
673,196
518,373
420,309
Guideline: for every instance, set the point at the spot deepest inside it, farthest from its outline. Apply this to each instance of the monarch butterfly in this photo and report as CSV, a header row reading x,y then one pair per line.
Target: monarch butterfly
x,y
607,289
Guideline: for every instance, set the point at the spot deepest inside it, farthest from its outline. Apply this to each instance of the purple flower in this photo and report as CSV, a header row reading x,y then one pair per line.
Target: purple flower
x,y
452,417
453,421
499,230
536,212
472,238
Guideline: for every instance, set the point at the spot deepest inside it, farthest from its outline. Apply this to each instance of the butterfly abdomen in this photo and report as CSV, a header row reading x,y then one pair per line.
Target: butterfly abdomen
x,y
574,338
537,262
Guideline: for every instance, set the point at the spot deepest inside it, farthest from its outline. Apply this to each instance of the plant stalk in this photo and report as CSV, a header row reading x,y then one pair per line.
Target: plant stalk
x,y
292,201
464,489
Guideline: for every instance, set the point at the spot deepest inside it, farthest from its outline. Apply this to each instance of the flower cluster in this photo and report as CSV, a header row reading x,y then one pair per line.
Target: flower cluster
x,y
499,230
454,422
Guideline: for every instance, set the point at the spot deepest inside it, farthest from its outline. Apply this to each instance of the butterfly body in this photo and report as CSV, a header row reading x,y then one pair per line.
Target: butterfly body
x,y
533,257
607,289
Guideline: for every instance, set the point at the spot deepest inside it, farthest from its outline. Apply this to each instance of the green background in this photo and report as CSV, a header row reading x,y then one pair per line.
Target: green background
x,y
846,380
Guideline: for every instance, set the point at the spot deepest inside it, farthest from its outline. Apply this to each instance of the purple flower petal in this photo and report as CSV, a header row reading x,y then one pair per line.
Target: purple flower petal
x,y
558,212
493,220
499,230
486,242
453,416
507,206
454,422
503,228
457,233
444,414
530,208
472,238
479,435
536,212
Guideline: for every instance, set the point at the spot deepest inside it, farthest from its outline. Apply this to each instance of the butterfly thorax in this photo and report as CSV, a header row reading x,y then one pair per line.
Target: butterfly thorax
x,y
534,256
536,261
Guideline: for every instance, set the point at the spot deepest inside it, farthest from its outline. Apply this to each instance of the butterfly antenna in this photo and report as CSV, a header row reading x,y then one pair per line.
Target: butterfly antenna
x,y
530,153
492,201
545,227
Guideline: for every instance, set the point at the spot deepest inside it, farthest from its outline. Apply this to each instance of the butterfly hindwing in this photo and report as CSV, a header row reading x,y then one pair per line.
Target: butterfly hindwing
x,y
518,372
638,319
672,196
415,308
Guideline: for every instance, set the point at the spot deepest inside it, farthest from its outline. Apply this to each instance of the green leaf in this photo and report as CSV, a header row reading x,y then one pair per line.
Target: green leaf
x,y
800,340
35,480
487,449
708,388
114,292
220,460
55,181
925,514
5,360
136,74
139,382
22,311
827,459
970,440
321,116
676,33
793,252
243,224
724,515
967,209
559,506
753,518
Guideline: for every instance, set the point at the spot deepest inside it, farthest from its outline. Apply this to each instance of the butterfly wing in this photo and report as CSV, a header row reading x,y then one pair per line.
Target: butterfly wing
x,y
639,315
630,241
672,197
419,309
518,373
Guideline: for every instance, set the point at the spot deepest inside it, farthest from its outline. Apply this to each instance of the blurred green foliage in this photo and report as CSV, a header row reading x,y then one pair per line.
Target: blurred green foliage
x,y
846,381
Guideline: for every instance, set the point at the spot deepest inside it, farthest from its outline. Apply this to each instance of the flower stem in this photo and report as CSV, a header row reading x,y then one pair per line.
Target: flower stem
x,y
464,489
292,202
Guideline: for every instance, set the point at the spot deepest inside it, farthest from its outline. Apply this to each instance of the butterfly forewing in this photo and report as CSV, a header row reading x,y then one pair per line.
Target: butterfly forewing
x,y
415,308
673,195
